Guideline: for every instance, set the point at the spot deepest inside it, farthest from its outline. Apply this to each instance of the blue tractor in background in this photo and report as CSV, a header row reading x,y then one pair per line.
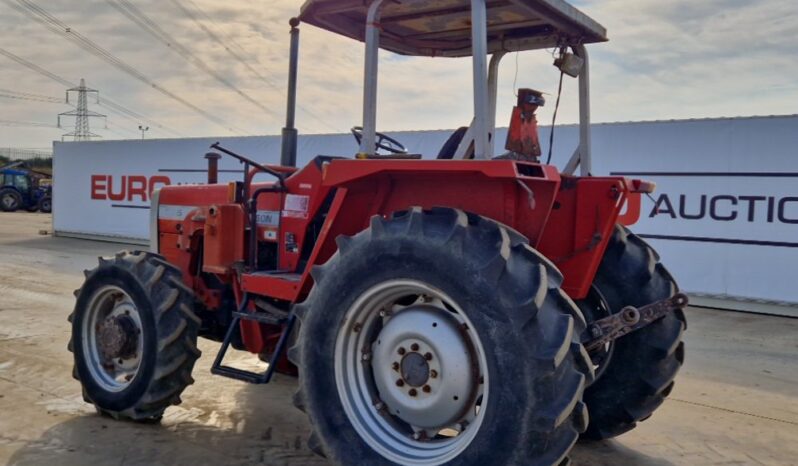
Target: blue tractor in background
x,y
23,188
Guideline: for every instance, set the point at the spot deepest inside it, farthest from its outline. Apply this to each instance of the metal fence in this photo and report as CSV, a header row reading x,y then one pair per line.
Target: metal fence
x,y
15,153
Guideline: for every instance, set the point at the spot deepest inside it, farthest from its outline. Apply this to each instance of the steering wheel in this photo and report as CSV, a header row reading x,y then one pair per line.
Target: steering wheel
x,y
384,141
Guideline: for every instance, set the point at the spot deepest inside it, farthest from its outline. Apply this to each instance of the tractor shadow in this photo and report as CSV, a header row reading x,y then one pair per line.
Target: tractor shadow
x,y
223,423
256,425
611,453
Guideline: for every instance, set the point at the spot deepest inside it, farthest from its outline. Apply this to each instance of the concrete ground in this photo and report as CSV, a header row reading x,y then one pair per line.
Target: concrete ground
x,y
735,401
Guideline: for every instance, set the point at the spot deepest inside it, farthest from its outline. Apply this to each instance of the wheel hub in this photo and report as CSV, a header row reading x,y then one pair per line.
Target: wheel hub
x,y
415,369
117,337
423,368
594,308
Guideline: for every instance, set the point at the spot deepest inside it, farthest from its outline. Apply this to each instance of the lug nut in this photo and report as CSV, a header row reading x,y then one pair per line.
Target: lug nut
x,y
414,347
400,383
428,356
412,392
427,389
401,351
395,366
433,373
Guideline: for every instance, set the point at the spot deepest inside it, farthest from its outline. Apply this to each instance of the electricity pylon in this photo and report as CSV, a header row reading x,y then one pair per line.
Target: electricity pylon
x,y
81,113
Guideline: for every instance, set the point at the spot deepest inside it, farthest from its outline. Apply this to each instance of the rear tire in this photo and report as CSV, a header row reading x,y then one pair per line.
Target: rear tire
x,y
46,204
637,373
10,200
528,366
134,336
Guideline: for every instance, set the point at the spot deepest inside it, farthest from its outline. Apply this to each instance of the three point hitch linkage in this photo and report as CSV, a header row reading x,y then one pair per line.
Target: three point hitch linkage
x,y
630,319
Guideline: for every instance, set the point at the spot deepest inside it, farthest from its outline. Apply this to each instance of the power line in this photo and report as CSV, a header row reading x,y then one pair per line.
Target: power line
x,y
148,25
26,123
113,106
8,94
238,57
40,15
120,128
209,19
35,68
135,116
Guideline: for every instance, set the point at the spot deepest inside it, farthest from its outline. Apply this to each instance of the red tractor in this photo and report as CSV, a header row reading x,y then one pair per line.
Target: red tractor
x,y
468,310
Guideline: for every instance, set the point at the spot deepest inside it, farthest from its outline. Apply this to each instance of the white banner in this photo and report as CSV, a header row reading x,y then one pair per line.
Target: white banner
x,y
724,217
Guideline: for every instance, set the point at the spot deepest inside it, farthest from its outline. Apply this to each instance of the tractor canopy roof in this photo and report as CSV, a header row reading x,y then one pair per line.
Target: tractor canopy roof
x,y
12,171
16,170
443,27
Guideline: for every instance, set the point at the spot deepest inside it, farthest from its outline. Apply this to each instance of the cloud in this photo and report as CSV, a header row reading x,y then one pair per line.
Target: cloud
x,y
674,59
682,59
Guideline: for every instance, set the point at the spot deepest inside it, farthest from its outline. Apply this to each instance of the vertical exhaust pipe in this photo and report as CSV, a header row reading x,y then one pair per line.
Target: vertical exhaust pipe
x,y
213,167
289,143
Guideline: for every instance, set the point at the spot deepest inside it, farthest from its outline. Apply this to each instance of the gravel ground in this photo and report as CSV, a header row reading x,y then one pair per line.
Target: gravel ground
x,y
735,401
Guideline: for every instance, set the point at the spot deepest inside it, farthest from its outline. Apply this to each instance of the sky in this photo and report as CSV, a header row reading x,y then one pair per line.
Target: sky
x,y
669,59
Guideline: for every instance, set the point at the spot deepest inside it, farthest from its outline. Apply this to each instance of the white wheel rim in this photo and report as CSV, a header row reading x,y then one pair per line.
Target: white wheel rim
x,y
113,374
427,420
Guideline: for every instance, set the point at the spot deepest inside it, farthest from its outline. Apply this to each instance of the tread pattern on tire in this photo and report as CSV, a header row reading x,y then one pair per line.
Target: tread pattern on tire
x,y
644,364
176,326
550,321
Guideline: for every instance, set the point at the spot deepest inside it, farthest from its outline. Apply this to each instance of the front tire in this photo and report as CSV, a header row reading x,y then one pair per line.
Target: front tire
x,y
10,200
636,372
436,293
134,336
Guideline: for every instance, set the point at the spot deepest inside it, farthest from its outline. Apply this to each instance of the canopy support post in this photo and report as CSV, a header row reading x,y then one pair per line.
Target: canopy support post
x,y
582,155
483,146
368,145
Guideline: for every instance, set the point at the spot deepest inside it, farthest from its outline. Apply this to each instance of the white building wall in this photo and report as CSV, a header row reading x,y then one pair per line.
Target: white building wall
x,y
743,170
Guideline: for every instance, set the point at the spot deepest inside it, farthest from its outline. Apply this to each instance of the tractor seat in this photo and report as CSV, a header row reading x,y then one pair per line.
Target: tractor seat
x,y
450,146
